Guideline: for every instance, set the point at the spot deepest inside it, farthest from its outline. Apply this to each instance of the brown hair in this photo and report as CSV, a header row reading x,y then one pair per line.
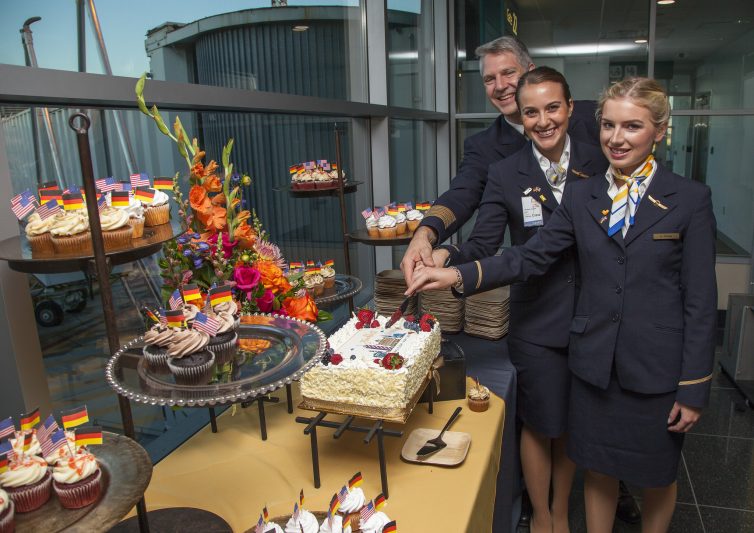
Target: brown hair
x,y
541,75
645,92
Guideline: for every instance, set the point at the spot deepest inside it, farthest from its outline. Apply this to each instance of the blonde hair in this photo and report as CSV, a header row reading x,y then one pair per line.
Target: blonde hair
x,y
645,92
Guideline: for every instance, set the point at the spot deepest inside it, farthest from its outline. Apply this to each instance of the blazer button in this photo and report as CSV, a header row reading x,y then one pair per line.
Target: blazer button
x,y
621,259
570,279
618,289
616,317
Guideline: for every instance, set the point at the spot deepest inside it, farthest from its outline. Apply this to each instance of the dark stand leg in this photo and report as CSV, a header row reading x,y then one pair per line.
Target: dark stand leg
x,y
431,397
315,457
383,465
262,419
289,397
213,419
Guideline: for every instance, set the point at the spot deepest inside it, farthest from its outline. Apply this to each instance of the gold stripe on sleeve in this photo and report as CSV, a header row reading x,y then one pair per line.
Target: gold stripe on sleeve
x,y
443,213
479,273
696,381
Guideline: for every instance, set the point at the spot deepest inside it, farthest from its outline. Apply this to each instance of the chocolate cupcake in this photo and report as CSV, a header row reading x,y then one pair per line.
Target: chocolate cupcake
x,y
223,343
156,342
190,362
77,481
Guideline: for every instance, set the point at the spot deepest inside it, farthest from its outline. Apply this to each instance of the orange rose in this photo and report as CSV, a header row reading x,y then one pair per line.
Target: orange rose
x,y
303,308
199,200
212,183
272,277
245,236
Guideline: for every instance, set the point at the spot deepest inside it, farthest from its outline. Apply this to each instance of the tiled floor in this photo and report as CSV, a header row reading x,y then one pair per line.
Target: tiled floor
x,y
716,475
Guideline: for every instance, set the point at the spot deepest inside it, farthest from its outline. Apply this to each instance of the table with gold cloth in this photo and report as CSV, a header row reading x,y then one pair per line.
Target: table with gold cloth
x,y
233,473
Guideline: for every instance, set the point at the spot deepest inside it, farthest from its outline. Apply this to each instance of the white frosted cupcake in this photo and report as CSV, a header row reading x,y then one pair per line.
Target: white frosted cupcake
x,y
305,522
28,482
70,234
7,513
158,212
414,218
400,223
77,480
38,233
386,225
116,231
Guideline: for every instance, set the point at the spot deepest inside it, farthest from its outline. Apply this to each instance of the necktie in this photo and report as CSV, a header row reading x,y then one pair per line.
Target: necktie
x,y
626,202
555,173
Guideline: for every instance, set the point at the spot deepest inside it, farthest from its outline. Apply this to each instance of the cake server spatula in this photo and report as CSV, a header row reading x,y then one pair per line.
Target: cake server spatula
x,y
437,444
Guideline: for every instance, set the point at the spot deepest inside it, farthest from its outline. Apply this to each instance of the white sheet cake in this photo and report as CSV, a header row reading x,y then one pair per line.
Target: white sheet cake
x,y
359,379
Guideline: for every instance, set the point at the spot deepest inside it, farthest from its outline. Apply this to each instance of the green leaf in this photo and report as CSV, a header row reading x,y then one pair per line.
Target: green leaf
x,y
323,316
226,153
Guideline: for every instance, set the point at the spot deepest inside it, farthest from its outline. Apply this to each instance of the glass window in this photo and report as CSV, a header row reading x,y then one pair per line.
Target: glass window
x,y
714,150
265,145
410,53
307,47
705,54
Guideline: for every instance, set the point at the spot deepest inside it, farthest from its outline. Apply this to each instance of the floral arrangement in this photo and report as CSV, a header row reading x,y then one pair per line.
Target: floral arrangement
x,y
225,241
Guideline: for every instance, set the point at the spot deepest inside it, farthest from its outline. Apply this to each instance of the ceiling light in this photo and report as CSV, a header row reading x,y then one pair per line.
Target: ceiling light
x,y
300,28
665,2
640,41
602,47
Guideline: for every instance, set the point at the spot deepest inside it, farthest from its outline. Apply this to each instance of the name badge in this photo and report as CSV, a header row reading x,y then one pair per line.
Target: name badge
x,y
666,236
532,212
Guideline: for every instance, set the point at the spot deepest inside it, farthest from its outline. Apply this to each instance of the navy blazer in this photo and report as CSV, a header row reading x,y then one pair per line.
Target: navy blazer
x,y
648,302
456,205
541,308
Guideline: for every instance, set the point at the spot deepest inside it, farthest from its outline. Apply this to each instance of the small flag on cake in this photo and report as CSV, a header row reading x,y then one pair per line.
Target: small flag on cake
x,y
101,202
30,420
22,204
124,186
380,501
73,200
48,209
163,318
5,455
218,295
139,180
343,494
144,194
119,199
7,428
106,184
330,262
295,511
74,417
175,318
56,441
191,292
346,521
88,435
175,300
48,427
206,324
334,504
265,514
301,498
367,511
163,183
355,481
260,527
47,186
27,441
45,195
390,527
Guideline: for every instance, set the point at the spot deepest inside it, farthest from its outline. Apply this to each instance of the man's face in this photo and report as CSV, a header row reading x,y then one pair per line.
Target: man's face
x,y
500,74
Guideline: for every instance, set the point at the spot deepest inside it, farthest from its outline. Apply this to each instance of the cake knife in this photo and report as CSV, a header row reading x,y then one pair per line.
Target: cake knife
x,y
437,444
398,313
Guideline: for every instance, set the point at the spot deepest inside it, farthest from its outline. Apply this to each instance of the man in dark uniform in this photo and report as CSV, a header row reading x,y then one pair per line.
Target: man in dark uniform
x,y
502,62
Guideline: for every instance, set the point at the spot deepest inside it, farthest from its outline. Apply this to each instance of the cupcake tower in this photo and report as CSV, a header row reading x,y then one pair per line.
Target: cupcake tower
x,y
40,459
58,222
317,276
393,219
311,175
188,342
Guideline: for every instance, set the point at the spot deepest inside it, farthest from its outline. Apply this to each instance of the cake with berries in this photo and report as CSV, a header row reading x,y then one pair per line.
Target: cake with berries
x,y
372,366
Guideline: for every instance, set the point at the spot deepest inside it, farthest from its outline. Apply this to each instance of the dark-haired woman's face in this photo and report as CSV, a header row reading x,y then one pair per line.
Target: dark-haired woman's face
x,y
545,113
627,133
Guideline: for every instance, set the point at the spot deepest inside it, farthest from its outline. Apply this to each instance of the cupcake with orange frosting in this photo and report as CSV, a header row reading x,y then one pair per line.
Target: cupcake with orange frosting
x,y
77,480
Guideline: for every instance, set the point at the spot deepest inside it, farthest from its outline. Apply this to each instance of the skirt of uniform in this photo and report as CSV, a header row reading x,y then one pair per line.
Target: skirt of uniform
x,y
623,434
543,382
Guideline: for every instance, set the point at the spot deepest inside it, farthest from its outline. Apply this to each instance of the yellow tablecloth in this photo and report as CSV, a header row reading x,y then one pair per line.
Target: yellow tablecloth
x,y
233,473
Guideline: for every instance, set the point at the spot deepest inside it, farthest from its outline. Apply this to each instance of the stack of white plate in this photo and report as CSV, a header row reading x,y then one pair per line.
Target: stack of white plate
x,y
487,314
445,307
388,293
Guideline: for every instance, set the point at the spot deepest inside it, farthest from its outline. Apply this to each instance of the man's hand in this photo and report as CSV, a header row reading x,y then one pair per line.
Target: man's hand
x,y
427,278
419,251
684,417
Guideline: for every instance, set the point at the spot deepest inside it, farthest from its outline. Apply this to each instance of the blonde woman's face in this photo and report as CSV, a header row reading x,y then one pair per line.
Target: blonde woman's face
x,y
627,133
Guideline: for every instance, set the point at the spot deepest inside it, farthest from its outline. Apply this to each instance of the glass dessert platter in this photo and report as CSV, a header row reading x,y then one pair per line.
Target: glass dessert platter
x,y
273,351
345,287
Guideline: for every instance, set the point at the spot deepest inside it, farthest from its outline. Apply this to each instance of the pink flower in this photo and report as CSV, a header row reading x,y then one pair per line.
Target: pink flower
x,y
228,246
246,279
265,302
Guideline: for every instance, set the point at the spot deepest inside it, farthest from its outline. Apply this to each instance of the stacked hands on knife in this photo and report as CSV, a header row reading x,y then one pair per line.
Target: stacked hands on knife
x,y
423,267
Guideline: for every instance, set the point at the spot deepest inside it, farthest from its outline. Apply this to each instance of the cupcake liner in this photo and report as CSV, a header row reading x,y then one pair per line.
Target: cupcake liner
x,y
117,238
41,244
72,244
413,224
401,228
154,216
192,374
138,225
330,282
156,356
81,493
373,231
30,497
223,346
388,232
7,522
479,406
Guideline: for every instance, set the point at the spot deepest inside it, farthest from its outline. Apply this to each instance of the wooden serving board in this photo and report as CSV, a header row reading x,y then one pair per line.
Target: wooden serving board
x,y
453,454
